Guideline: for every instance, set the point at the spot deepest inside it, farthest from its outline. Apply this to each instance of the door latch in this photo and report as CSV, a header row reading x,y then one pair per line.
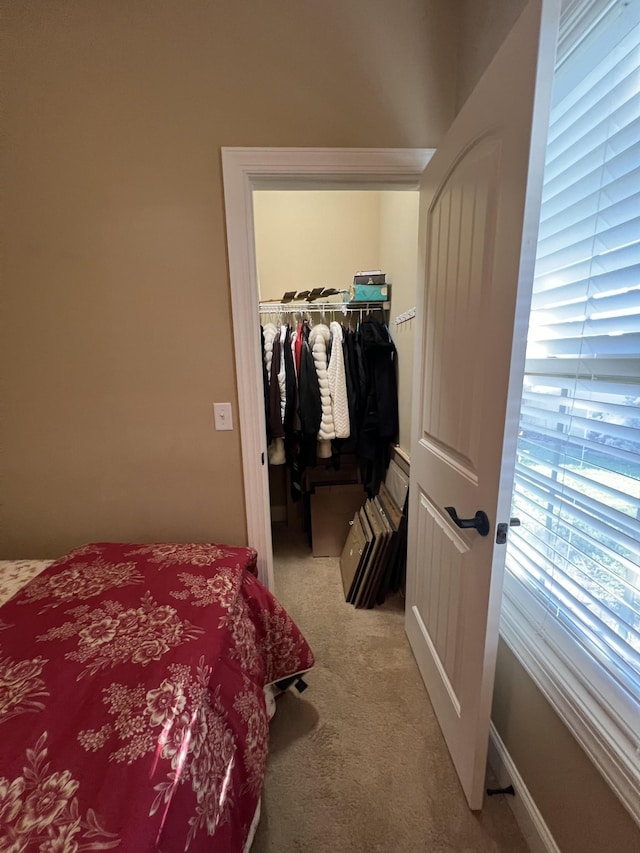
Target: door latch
x,y
501,531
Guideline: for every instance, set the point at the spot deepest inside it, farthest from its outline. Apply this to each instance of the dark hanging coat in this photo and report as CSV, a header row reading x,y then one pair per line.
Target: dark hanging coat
x,y
275,415
309,394
379,421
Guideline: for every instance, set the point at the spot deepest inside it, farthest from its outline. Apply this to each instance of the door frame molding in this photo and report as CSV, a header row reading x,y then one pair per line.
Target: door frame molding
x,y
245,170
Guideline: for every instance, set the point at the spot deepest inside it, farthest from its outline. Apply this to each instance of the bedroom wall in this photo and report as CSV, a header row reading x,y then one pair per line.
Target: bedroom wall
x,y
116,329
482,27
582,813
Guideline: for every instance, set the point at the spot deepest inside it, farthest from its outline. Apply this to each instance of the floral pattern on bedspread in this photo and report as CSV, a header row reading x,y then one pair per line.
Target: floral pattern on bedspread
x,y
14,574
192,555
39,811
80,580
135,678
109,634
21,688
206,590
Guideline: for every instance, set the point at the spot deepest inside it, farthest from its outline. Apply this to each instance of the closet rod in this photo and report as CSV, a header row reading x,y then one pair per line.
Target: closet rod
x,y
319,307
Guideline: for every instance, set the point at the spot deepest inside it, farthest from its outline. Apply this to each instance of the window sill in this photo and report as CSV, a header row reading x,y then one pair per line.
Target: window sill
x,y
599,714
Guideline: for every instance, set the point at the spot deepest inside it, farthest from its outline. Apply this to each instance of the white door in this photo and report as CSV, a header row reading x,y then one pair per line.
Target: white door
x,y
478,223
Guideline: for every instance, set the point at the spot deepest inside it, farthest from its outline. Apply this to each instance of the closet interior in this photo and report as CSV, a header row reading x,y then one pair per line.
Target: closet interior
x,y
337,375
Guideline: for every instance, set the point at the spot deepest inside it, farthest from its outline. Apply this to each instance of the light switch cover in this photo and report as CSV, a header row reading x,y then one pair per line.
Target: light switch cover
x,y
222,416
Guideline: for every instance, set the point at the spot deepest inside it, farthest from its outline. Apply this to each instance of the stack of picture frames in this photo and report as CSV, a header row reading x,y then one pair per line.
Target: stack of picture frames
x,y
374,557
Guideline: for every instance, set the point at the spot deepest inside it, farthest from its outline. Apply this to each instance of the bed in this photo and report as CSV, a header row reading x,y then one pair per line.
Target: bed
x,y
132,705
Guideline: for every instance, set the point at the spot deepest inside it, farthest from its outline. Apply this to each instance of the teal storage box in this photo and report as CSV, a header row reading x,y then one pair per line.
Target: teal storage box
x,y
370,292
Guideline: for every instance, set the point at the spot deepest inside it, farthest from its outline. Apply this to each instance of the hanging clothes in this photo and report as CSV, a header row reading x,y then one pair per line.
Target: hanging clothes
x,y
275,449
269,332
338,384
282,375
330,391
378,427
290,419
318,340
310,408
309,393
353,390
301,335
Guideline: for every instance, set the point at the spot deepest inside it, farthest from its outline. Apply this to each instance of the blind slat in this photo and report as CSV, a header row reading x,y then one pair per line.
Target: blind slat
x,y
611,160
600,408
594,222
594,247
613,36
619,303
615,262
588,328
610,193
567,475
620,569
607,345
569,606
618,108
541,440
615,651
609,369
553,291
599,235
615,609
574,423
530,551
583,508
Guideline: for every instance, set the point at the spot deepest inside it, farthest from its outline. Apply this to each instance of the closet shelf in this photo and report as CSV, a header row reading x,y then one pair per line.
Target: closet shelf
x,y
320,307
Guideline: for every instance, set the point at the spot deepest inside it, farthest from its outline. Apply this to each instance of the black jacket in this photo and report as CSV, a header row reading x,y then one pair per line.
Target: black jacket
x,y
309,394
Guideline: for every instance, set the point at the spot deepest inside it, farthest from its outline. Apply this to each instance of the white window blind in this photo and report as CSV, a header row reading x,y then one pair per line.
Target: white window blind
x,y
577,483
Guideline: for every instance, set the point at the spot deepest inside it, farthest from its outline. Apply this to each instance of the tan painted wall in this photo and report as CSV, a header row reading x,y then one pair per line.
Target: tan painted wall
x,y
314,239
577,805
399,258
482,28
116,332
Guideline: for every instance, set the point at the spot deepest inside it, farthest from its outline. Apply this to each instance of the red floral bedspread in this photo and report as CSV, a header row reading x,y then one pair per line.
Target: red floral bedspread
x,y
132,711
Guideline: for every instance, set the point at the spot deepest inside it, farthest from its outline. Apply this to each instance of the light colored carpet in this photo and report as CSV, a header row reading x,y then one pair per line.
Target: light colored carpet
x,y
357,762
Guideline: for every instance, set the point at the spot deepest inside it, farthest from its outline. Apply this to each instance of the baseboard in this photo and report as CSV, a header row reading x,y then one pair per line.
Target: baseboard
x,y
527,815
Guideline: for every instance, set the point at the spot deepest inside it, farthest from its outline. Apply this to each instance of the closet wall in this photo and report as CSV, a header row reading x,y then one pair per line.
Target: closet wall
x,y
320,238
399,257
313,239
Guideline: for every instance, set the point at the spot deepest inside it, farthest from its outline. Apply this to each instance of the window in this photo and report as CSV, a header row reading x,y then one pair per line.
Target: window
x,y
572,590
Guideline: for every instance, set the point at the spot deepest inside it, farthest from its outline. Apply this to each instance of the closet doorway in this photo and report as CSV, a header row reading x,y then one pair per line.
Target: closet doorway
x,y
308,240
249,170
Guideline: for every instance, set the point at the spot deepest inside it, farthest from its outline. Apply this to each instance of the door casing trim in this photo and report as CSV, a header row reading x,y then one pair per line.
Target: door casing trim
x,y
245,170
